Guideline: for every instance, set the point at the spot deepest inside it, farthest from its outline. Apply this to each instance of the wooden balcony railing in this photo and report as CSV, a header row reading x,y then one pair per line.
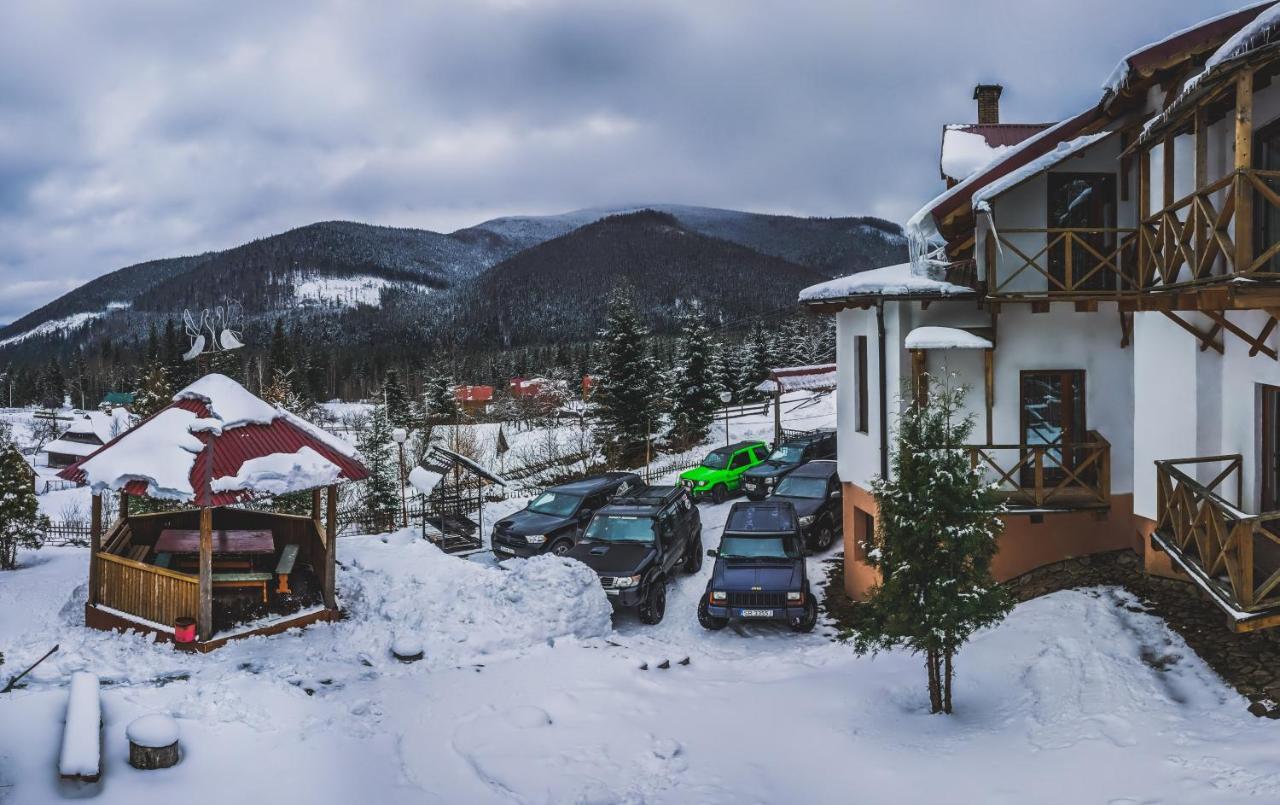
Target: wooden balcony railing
x,y
1231,553
1076,475
1050,262
1194,240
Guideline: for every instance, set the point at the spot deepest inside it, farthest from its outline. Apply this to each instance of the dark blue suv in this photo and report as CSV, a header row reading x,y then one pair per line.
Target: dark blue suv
x,y
760,572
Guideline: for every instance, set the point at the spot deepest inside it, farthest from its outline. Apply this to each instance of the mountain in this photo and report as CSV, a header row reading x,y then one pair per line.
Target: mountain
x,y
373,283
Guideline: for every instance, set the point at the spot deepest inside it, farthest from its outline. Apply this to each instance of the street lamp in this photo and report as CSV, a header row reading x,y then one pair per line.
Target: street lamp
x,y
400,436
725,397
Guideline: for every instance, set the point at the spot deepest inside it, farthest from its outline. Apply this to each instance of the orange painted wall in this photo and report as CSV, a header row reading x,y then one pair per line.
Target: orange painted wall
x,y
1024,545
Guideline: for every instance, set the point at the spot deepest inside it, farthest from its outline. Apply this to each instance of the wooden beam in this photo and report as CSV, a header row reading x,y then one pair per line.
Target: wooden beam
x,y
1126,329
1262,336
1257,343
1218,298
329,572
1244,161
1145,259
204,618
1201,178
1086,305
1204,338
1040,306
95,545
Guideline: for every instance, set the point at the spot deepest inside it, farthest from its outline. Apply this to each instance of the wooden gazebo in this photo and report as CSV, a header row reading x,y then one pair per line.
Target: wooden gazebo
x,y
234,570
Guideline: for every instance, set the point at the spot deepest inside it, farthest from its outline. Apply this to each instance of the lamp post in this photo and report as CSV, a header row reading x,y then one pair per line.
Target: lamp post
x,y
400,436
725,397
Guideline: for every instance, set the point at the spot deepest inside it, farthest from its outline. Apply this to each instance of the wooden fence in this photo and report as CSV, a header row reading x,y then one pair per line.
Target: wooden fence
x,y
154,593
1075,475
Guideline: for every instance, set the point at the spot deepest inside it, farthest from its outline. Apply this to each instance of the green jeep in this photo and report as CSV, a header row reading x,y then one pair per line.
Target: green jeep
x,y
720,473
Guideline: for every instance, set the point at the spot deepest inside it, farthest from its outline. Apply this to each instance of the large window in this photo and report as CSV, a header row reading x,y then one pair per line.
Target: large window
x,y
1083,205
860,365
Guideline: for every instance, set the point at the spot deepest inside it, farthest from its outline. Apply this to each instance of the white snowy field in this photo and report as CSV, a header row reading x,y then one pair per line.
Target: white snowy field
x,y
528,694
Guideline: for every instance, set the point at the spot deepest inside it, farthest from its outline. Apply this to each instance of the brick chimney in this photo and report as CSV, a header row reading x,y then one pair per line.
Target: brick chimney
x,y
988,98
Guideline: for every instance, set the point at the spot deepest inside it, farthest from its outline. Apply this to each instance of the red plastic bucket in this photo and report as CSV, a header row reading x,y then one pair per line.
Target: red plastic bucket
x,y
184,630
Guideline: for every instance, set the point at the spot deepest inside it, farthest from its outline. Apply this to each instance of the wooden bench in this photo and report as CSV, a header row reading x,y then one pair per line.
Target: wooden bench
x,y
258,580
284,567
81,755
138,553
163,560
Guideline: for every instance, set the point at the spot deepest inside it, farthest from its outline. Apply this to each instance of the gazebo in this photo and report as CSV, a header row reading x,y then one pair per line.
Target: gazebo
x,y
234,570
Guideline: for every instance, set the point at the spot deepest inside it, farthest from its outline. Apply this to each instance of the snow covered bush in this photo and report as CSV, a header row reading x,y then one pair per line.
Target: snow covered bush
x,y
21,523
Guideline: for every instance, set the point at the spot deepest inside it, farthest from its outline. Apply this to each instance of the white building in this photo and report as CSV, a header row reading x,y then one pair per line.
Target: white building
x,y
1089,282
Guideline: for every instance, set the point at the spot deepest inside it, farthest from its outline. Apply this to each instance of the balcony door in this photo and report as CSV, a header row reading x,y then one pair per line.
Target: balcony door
x,y
1266,216
1269,454
1053,417
1082,201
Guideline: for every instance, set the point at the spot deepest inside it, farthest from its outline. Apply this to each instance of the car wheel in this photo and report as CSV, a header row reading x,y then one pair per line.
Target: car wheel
x,y
719,493
561,547
810,617
654,605
693,559
824,535
706,621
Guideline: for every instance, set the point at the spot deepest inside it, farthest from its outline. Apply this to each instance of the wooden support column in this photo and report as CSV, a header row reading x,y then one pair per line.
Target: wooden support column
x,y
329,571
1244,161
204,619
1202,179
1168,235
95,545
989,372
919,380
124,506
315,509
777,415
1146,260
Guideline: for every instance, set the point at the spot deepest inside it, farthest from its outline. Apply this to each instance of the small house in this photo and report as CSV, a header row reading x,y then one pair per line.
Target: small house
x,y
89,431
473,399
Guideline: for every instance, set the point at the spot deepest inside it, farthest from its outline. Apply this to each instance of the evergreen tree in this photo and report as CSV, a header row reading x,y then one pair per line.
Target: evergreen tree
x,y
281,359
725,369
281,391
439,402
694,389
937,534
21,523
53,387
380,494
396,399
155,391
757,360
625,398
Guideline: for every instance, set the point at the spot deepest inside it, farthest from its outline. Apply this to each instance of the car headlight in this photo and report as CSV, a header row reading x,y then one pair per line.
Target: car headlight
x,y
626,581
535,539
718,595
807,520
795,597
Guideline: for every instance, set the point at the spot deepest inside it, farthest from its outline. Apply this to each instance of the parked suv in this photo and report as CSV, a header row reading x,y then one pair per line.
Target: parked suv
x,y
760,572
813,489
720,473
638,542
553,520
793,451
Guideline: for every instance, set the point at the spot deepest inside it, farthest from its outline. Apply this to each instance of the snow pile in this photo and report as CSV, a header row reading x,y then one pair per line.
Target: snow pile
x,y
899,280
424,480
229,401
821,377
945,338
280,473
983,196
163,445
81,753
966,152
153,731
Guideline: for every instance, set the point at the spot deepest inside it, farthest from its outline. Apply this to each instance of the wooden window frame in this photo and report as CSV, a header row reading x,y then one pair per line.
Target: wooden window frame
x,y
1081,429
1268,398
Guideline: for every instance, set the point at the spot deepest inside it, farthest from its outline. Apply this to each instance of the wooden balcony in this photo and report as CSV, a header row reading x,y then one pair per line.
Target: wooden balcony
x,y
1194,241
1072,263
1049,478
1230,554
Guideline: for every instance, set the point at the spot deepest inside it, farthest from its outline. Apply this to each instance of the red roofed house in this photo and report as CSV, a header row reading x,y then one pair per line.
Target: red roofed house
x,y
214,447
1108,287
474,399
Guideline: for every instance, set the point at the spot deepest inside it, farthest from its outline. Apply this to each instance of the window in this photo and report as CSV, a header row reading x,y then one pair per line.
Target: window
x,y
864,531
860,366
1084,203
741,460
1269,456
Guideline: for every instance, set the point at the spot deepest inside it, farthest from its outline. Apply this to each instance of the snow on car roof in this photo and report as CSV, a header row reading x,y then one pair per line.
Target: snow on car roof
x,y
761,518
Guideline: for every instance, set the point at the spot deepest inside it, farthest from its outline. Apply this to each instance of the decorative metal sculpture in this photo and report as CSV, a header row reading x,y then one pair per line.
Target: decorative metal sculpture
x,y
219,330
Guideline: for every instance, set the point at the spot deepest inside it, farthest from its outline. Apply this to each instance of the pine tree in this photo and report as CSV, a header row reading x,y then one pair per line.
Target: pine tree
x,y
396,399
757,360
281,359
937,534
155,392
21,523
693,388
439,404
53,387
626,396
380,496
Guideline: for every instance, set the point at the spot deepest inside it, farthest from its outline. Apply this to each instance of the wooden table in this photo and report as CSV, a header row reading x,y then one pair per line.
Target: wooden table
x,y
184,540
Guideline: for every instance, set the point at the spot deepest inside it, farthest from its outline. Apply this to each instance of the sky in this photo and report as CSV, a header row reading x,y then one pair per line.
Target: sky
x,y
134,130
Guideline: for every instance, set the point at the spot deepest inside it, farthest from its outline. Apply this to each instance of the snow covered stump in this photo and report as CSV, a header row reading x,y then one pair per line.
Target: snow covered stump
x,y
153,742
407,649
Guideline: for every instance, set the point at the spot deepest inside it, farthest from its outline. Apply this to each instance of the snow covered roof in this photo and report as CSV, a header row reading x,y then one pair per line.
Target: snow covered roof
x,y
218,444
945,338
473,393
819,377
969,147
894,281
69,448
982,197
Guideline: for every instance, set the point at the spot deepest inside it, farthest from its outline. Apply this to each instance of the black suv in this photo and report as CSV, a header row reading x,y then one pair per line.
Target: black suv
x,y
814,490
760,570
638,542
553,520
760,481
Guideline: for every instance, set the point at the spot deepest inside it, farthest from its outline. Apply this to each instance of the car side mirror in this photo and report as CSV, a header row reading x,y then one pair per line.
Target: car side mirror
x,y
712,552
837,493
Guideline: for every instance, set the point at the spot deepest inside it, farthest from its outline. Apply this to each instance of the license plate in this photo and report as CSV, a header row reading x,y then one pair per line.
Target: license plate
x,y
757,613
500,549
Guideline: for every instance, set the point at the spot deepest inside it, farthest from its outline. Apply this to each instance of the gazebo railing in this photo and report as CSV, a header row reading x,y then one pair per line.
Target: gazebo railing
x,y
145,591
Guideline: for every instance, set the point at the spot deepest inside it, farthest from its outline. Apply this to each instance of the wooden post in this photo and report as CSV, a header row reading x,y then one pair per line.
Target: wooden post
x,y
1169,234
1244,162
989,372
777,414
329,571
1202,179
95,545
918,379
315,509
1244,535
204,619
124,505
1146,260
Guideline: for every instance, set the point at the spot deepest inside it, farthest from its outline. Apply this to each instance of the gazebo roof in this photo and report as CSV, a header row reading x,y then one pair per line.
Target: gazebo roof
x,y
217,444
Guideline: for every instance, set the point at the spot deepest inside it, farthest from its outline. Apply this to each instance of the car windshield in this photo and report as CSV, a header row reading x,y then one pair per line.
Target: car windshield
x,y
793,487
557,504
716,461
742,547
616,528
787,454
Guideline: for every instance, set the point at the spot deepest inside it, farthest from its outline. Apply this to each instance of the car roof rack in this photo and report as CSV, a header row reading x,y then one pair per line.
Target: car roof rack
x,y
644,496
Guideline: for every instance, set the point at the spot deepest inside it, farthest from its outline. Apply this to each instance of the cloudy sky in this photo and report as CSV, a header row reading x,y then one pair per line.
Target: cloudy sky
x,y
135,130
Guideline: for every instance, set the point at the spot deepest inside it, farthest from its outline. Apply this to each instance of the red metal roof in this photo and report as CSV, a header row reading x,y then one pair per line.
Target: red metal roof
x,y
473,393
225,452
